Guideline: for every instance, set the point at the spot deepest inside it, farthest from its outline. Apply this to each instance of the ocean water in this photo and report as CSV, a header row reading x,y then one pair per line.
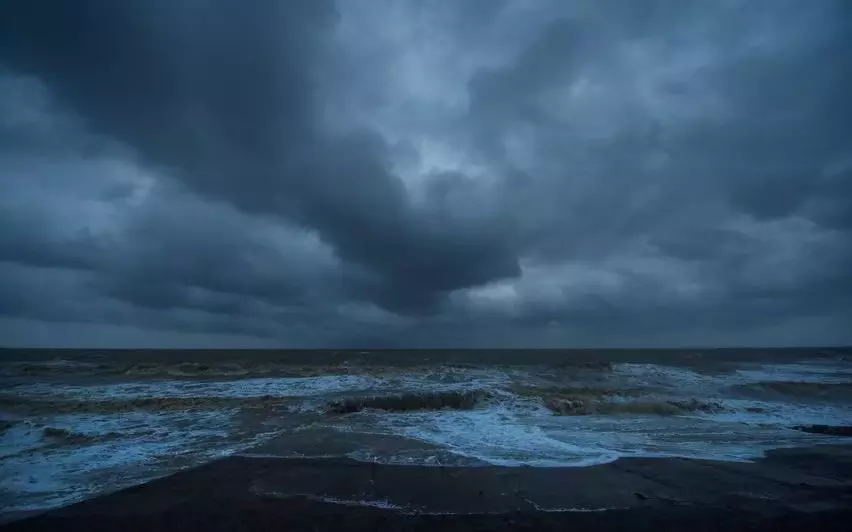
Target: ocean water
x,y
78,424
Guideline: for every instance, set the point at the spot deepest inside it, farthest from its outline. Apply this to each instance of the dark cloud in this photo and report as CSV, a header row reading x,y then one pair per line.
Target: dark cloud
x,y
27,239
427,173
224,95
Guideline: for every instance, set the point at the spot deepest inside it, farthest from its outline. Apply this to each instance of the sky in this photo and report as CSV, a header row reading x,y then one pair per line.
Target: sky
x,y
425,173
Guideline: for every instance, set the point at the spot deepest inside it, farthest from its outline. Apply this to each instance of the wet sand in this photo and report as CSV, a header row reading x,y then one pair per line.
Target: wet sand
x,y
790,489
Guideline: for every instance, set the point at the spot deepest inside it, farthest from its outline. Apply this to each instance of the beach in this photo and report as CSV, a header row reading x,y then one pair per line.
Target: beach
x,y
801,489
408,439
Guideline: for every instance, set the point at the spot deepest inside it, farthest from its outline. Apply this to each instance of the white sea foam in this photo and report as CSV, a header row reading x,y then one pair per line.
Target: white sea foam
x,y
135,446
667,379
384,504
506,429
684,382
495,435
20,437
547,509
440,379
514,432
811,372
388,504
776,414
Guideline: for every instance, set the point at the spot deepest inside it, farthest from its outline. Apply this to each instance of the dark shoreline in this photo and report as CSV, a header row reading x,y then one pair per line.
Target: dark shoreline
x,y
789,489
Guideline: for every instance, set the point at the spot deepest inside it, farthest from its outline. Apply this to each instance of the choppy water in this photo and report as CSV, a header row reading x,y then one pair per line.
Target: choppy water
x,y
77,424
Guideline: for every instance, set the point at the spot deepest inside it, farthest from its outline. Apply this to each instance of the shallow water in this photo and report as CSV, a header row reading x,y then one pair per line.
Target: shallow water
x,y
121,419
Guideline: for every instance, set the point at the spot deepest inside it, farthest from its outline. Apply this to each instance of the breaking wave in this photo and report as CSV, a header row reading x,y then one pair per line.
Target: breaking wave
x,y
407,402
578,406
70,368
66,436
831,430
841,391
65,423
107,406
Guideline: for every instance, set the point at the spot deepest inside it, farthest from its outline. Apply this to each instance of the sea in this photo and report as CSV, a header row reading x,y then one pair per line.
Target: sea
x,y
75,424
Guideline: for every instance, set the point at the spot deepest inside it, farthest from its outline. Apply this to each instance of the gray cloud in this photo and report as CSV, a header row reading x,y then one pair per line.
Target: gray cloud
x,y
224,95
427,173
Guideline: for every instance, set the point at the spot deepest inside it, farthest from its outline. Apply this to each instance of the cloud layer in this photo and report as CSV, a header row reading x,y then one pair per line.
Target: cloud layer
x,y
424,173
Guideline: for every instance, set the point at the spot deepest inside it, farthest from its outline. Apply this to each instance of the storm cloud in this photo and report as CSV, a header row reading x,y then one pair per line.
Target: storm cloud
x,y
425,173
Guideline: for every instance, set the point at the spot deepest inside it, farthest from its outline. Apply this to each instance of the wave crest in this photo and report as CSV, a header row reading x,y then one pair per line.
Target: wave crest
x,y
405,402
805,389
105,406
580,406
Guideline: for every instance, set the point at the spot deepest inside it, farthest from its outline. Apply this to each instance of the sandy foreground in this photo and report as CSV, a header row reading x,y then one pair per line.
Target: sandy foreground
x,y
789,489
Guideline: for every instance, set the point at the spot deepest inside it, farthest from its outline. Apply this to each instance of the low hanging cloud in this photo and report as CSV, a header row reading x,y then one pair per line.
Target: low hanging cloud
x,y
422,173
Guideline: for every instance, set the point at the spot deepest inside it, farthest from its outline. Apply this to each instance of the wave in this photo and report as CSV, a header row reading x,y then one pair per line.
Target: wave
x,y
588,400
406,402
106,406
235,388
51,367
56,434
563,400
256,368
800,389
579,406
567,392
191,370
831,430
